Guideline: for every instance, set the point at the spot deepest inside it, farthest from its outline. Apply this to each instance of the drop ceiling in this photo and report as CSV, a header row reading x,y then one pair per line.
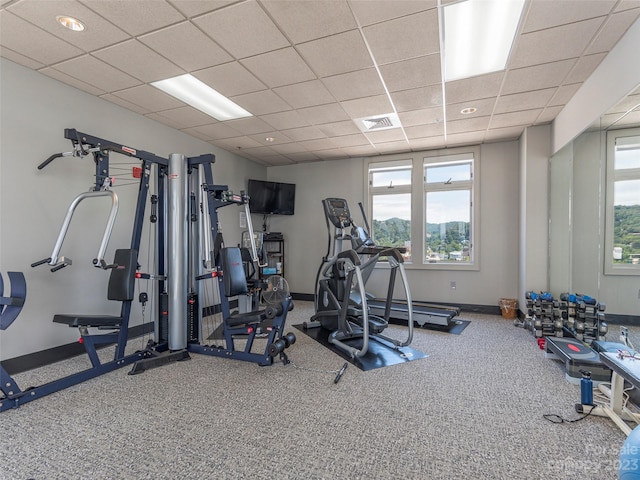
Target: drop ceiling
x,y
309,71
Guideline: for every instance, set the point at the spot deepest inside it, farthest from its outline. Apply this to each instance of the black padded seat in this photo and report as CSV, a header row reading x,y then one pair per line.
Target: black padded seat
x,y
121,288
247,318
88,320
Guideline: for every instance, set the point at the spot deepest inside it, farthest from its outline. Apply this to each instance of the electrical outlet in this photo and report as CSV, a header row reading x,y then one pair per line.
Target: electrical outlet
x,y
453,285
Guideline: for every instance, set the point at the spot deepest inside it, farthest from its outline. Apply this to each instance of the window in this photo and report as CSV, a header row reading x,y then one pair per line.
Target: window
x,y
448,206
390,201
427,204
622,242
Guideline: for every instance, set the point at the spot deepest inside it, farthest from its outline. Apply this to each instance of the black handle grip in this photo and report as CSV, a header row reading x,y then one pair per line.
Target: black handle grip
x,y
40,262
340,373
49,160
58,267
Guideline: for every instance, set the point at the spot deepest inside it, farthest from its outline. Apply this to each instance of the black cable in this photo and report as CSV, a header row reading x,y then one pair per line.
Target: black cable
x,y
554,418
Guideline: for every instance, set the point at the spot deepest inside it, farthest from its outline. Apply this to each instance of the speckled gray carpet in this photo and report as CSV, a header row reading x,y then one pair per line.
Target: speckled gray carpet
x,y
471,410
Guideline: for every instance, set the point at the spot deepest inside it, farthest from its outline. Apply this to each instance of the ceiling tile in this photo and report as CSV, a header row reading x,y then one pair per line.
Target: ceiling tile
x,y
584,67
110,97
417,98
94,72
475,88
285,120
304,133
288,148
134,17
19,58
249,125
318,144
543,14
348,53
280,67
336,129
187,117
277,138
468,125
364,107
414,73
350,140
425,116
192,8
304,21
393,147
526,117
404,38
375,11
389,135
548,114
334,154
244,142
230,79
503,133
320,114
347,86
360,150
559,43
564,93
424,131
243,29
169,122
148,97
261,103
99,32
186,46
69,80
305,94
278,160
303,157
524,100
139,61
613,30
484,107
216,131
418,144
537,77
459,139
27,39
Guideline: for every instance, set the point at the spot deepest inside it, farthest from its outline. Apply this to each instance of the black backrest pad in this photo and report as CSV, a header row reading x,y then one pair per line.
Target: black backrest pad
x,y
122,279
234,279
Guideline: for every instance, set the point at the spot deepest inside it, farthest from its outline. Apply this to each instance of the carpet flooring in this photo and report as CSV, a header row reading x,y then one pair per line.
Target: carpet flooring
x,y
472,409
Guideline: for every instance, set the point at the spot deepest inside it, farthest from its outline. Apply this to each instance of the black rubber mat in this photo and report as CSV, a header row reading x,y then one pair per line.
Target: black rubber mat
x,y
379,354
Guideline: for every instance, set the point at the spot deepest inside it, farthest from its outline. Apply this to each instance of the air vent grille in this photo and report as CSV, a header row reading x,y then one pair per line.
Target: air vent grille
x,y
378,122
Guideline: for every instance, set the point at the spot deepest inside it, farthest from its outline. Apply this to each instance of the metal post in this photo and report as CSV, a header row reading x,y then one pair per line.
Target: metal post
x,y
177,251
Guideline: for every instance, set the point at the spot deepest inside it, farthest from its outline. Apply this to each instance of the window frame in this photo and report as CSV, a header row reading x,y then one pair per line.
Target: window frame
x,y
417,161
612,176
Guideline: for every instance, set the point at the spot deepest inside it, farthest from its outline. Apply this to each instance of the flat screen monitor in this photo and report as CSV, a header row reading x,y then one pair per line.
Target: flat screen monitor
x,y
271,198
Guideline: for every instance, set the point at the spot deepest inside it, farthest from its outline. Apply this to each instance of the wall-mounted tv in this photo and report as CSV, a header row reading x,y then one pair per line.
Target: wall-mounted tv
x,y
271,198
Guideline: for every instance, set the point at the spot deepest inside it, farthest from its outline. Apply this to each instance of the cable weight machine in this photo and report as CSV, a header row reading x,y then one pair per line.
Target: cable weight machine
x,y
188,251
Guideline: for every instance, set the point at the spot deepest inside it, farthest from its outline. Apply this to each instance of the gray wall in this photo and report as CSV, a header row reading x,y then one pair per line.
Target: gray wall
x,y
580,200
306,233
35,112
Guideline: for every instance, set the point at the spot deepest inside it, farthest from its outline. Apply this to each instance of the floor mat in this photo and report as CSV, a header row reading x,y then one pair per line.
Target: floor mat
x,y
378,354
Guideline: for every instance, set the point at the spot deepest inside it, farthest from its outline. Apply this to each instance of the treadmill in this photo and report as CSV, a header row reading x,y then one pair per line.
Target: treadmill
x,y
337,214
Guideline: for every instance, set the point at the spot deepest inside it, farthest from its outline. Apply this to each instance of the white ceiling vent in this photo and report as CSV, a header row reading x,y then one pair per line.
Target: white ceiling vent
x,y
378,122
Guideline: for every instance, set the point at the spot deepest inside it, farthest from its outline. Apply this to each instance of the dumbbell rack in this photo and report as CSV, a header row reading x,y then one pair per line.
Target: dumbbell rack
x,y
583,317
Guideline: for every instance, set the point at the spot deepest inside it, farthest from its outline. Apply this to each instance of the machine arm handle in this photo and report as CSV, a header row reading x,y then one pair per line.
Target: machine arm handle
x,y
41,262
59,267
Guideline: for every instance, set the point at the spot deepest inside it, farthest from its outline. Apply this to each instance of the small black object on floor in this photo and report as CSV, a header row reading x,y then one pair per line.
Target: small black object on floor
x,y
456,327
378,354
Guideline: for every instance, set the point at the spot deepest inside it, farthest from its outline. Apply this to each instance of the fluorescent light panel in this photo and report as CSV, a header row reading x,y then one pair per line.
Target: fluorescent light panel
x,y
478,35
201,96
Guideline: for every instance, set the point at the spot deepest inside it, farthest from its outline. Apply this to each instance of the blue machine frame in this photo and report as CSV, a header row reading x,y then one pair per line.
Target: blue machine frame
x,y
217,196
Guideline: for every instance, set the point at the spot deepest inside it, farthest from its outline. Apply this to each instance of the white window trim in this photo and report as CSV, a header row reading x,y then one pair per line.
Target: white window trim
x,y
417,160
611,268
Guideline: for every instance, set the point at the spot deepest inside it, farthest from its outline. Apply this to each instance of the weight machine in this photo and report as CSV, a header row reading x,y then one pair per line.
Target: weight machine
x,y
189,252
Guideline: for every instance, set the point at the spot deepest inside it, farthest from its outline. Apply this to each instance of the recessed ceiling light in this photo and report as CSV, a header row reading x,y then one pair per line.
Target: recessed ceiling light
x,y
201,96
468,110
70,23
270,139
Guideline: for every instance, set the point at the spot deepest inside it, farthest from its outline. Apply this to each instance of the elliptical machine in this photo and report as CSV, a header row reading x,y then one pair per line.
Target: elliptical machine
x,y
341,299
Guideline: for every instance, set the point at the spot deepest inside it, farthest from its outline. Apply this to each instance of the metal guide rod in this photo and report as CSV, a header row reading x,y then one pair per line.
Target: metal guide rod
x,y
177,251
99,260
205,223
254,250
